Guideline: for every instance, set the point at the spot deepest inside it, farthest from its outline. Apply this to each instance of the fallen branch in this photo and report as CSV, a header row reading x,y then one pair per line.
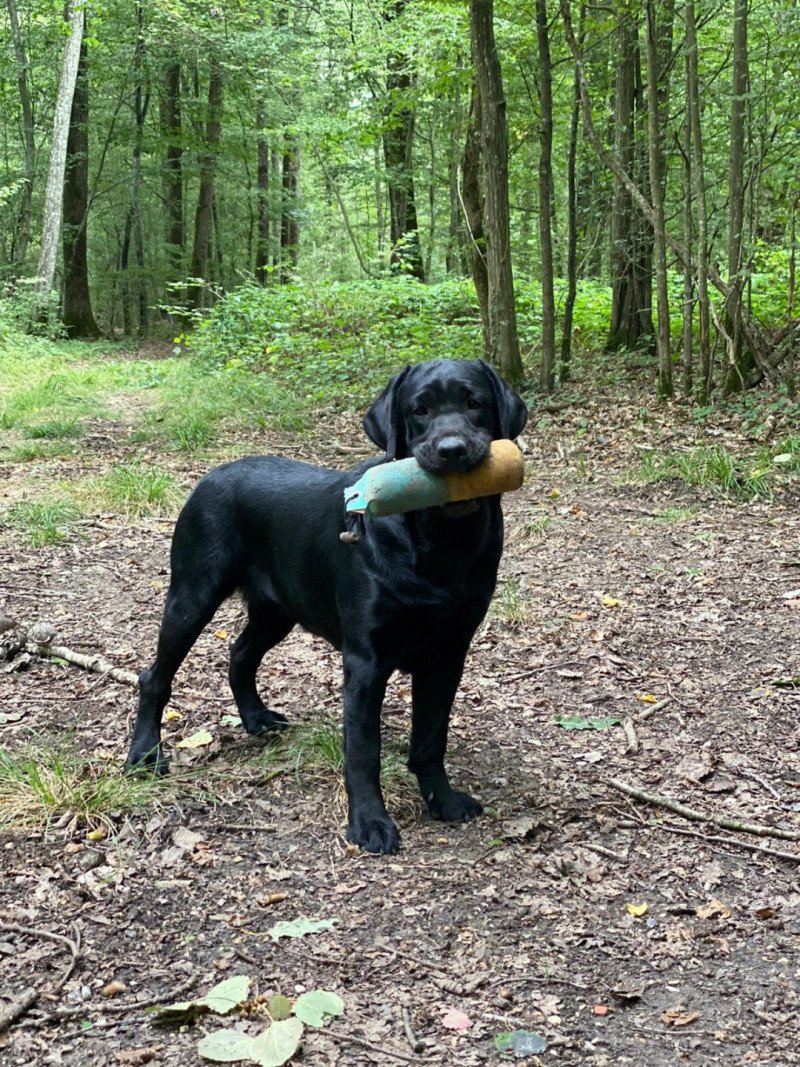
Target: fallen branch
x,y
733,842
658,801
649,712
16,1007
30,931
99,664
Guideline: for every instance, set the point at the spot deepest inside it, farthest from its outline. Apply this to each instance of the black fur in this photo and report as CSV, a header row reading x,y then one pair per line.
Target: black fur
x,y
408,595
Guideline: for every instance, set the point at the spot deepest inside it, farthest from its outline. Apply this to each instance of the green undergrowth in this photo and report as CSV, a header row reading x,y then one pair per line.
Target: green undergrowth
x,y
751,477
41,522
131,489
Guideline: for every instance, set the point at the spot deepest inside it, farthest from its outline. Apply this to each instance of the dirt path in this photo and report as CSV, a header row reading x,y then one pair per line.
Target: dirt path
x,y
613,595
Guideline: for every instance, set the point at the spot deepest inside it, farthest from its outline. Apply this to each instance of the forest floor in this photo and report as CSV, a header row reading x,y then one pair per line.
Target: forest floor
x,y
611,931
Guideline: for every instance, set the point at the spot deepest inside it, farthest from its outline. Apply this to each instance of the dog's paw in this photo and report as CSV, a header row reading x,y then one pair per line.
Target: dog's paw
x,y
263,721
454,807
146,760
378,835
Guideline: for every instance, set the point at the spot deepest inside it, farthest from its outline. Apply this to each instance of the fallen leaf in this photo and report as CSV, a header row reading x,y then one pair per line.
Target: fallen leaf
x,y
226,1046
113,989
272,898
600,1009
453,1019
593,722
637,910
647,698
715,909
221,634
197,740
679,1017
221,998
522,1043
610,602
299,927
278,1044
135,1057
579,616
317,1006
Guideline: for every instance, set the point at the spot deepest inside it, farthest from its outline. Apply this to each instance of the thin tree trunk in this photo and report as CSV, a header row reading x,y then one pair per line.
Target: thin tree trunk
x,y
547,372
698,169
290,225
173,168
572,220
22,229
687,358
262,185
473,211
503,339
77,314
665,387
455,260
51,228
738,362
140,106
398,146
205,198
276,207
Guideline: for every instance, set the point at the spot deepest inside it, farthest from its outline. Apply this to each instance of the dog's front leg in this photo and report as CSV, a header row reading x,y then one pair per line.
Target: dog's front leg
x,y
434,686
368,824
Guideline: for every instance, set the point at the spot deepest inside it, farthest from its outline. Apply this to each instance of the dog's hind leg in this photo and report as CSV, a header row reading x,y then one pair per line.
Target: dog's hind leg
x,y
267,624
187,611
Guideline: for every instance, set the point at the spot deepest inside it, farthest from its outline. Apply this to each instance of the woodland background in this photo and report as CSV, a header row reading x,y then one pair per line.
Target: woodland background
x,y
264,168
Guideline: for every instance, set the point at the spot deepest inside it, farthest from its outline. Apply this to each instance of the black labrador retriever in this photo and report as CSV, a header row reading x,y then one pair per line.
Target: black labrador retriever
x,y
407,595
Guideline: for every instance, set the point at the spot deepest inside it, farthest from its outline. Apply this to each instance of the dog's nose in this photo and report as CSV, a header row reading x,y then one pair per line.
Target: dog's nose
x,y
451,447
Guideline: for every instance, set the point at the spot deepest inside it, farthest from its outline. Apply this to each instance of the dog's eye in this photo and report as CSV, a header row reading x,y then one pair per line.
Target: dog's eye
x,y
473,404
420,409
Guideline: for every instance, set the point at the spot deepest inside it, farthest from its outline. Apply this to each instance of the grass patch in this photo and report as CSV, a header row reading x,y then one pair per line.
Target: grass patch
x,y
30,451
41,785
132,489
510,605
55,430
195,403
537,526
714,466
673,516
43,523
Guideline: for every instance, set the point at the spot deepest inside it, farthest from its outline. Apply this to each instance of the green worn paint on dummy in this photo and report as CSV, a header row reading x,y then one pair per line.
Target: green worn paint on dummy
x,y
403,485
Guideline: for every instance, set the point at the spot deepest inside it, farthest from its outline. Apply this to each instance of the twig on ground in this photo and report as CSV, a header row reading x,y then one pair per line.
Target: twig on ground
x,y
116,1009
16,1007
538,670
649,712
659,801
630,734
379,1050
604,852
413,1040
31,931
750,846
757,778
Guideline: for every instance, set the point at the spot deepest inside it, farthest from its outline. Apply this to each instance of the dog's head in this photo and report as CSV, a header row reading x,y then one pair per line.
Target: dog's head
x,y
445,414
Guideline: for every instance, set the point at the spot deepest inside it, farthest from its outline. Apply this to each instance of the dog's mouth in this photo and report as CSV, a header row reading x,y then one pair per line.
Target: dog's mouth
x,y
459,509
431,461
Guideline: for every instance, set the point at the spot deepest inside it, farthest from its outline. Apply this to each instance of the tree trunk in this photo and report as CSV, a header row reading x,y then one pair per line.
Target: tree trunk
x,y
22,229
503,339
473,211
455,259
173,168
205,198
547,372
77,314
739,362
51,227
140,105
665,387
398,149
693,94
262,185
687,318
572,220
290,224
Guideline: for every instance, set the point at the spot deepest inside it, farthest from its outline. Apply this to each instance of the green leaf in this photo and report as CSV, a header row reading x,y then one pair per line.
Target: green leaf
x,y
522,1043
576,722
278,1044
279,1007
221,998
226,1046
299,927
227,995
317,1006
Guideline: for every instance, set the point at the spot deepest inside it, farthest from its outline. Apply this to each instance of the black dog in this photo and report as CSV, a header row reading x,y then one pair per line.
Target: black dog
x,y
408,595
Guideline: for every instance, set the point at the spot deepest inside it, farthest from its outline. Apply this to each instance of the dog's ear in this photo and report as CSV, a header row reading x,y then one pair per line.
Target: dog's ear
x,y
512,413
383,423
